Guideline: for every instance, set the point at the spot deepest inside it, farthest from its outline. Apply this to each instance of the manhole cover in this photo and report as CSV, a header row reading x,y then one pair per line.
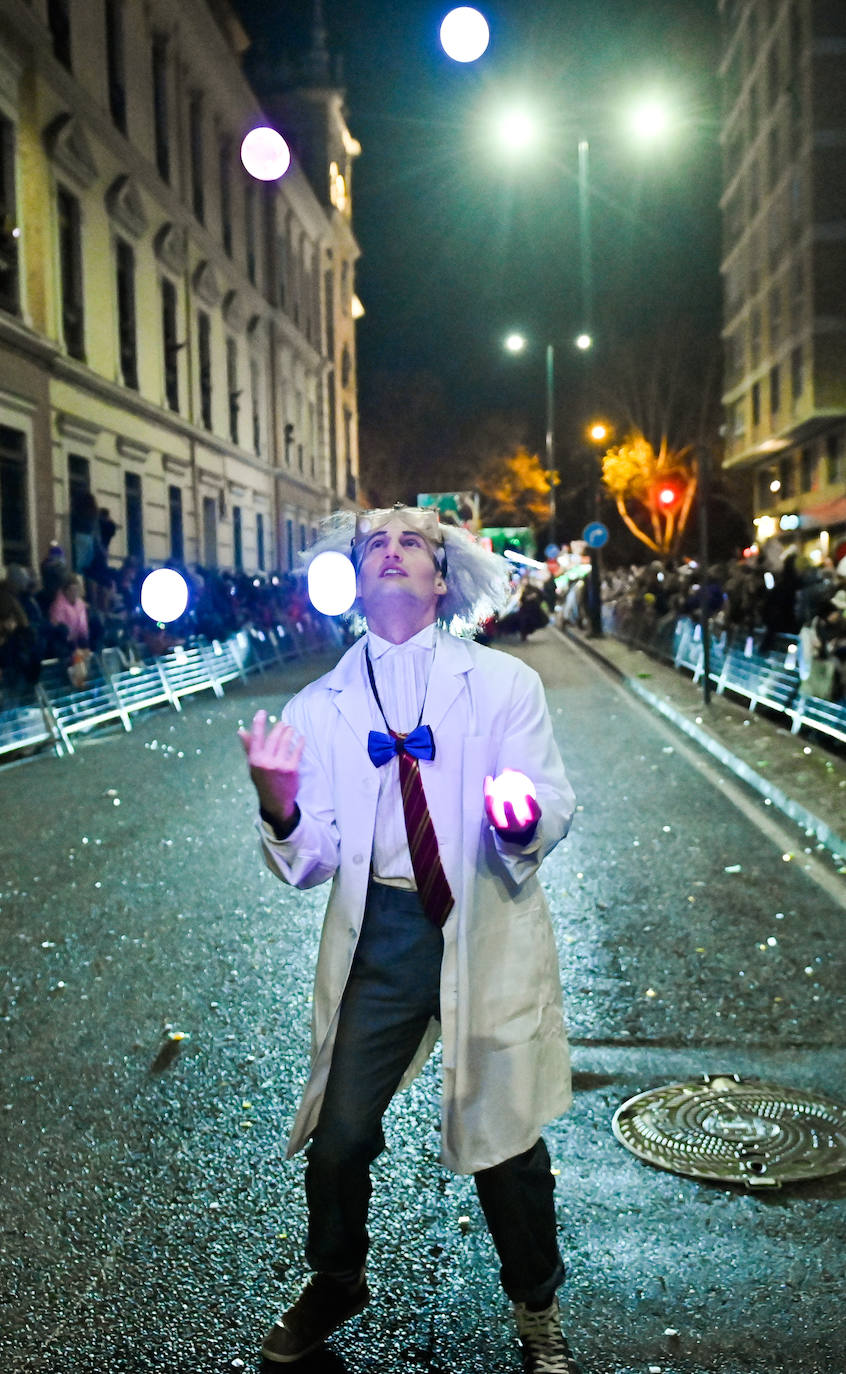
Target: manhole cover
x,y
737,1131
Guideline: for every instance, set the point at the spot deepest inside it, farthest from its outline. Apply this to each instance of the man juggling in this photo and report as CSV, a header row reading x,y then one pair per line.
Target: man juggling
x,y
421,778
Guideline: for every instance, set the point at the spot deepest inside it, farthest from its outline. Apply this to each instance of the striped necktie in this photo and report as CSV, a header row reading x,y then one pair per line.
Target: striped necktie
x,y
432,886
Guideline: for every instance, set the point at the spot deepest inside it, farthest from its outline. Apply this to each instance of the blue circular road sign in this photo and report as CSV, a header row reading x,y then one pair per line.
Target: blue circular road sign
x,y
595,534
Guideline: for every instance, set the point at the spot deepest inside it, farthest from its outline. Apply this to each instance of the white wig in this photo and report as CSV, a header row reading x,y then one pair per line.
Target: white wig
x,y
477,581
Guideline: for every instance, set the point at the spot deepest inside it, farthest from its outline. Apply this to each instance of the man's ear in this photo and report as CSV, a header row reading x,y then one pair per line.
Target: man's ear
x,y
440,584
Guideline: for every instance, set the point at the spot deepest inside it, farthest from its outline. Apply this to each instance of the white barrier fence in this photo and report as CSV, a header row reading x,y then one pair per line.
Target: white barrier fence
x,y
770,679
117,686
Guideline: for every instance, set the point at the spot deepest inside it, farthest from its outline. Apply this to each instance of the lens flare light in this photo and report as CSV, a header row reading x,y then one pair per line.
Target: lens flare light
x,y
164,595
265,154
331,583
464,34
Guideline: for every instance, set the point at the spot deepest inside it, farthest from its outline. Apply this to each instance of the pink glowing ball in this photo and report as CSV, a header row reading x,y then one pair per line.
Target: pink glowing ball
x,y
514,787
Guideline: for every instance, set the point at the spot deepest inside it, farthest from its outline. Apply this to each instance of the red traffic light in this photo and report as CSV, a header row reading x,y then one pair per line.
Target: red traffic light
x,y
669,494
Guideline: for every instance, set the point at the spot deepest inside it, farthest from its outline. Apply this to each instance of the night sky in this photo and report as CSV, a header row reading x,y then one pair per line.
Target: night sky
x,y
461,242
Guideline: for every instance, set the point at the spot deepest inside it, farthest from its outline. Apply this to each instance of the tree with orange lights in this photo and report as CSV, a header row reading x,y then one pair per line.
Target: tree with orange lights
x,y
653,491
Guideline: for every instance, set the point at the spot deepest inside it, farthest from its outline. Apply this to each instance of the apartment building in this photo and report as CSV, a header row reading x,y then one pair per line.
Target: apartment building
x,y
784,263
176,339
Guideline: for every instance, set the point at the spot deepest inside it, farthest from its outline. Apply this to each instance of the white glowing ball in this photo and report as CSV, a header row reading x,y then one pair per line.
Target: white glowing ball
x,y
265,154
514,787
331,583
464,34
164,595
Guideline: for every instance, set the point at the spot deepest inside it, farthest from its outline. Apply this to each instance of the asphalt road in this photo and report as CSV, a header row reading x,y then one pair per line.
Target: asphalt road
x,y
149,1221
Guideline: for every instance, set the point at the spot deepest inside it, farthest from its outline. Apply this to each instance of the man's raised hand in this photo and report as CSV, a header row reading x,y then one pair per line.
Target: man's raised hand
x,y
274,759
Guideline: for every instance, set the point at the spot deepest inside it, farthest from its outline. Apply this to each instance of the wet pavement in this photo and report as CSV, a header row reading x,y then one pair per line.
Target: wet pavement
x,y
154,1032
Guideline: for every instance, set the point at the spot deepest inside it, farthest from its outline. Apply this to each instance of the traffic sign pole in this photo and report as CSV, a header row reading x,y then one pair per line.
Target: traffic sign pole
x,y
595,536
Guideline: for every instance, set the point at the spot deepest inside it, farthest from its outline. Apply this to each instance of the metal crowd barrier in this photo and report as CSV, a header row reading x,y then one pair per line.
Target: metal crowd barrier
x,y
771,679
118,686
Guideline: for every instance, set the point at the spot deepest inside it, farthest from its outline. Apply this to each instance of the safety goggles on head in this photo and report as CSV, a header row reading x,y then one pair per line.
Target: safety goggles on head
x,y
416,518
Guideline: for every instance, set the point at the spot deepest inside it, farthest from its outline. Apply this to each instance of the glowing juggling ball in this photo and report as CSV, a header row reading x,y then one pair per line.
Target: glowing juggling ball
x,y
514,787
464,34
164,595
331,583
265,154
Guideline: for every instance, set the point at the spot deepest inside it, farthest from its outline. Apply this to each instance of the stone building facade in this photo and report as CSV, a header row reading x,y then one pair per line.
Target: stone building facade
x,y
177,340
784,263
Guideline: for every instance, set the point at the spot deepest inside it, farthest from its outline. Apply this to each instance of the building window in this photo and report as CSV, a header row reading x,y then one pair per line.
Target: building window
x,y
114,63
250,229
126,314
232,387
289,544
14,503
797,373
70,272
58,22
160,106
9,280
255,394
756,403
260,540
775,317
775,390
210,531
79,504
237,539
834,458
170,343
225,167
303,536
177,529
764,495
134,511
754,338
786,477
195,134
808,469
204,353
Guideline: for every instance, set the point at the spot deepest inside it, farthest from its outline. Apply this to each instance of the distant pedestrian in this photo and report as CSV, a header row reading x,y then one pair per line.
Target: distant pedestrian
x,y
379,776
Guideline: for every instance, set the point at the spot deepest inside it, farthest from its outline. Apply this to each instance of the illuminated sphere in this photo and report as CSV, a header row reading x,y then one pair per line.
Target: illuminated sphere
x,y
164,595
514,787
584,342
464,34
331,583
265,154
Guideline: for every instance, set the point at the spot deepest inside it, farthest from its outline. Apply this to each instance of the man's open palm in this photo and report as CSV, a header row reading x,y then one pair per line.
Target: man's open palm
x,y
274,758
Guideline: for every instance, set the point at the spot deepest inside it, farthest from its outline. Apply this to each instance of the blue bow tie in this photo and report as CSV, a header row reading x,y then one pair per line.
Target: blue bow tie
x,y
381,747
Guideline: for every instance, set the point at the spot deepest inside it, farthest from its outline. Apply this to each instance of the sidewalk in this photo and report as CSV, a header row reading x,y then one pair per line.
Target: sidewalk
x,y
796,775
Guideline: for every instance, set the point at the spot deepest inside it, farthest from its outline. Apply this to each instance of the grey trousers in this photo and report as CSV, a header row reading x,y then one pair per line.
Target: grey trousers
x,y
392,992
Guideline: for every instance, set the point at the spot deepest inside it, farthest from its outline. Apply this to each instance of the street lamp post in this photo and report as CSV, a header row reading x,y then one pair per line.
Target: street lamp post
x,y
550,441
516,343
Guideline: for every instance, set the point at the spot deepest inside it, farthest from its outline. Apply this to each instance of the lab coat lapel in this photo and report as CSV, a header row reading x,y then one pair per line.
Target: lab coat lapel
x,y
452,661
352,692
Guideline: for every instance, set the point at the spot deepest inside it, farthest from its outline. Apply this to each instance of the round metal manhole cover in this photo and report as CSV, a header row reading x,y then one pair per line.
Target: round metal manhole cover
x,y
735,1130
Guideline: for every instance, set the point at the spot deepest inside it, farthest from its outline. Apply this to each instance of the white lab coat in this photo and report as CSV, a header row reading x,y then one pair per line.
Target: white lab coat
x,y
505,1056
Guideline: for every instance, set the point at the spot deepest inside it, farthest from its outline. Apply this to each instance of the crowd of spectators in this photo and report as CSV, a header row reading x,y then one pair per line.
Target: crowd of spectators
x,y
67,615
767,598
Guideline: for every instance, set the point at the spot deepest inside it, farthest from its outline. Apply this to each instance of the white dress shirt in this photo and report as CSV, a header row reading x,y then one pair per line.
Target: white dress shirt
x,y
401,673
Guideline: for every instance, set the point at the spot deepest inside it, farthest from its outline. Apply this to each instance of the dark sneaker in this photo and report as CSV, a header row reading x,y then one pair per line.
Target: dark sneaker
x,y
323,1306
544,1348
